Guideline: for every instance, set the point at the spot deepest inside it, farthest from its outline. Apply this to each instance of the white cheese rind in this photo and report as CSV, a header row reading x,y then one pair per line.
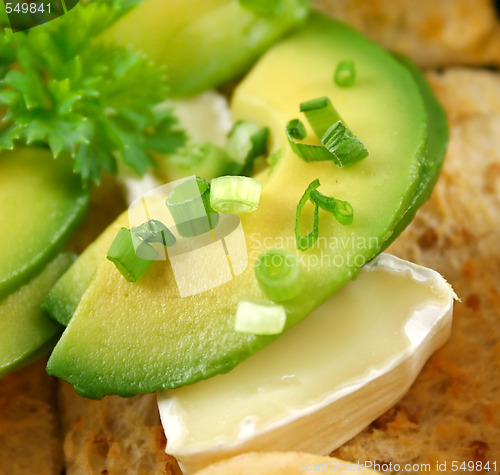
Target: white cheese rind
x,y
378,379
205,117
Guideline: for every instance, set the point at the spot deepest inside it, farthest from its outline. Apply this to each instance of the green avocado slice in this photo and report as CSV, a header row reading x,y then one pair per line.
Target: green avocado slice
x,y
203,43
64,297
26,333
41,204
134,338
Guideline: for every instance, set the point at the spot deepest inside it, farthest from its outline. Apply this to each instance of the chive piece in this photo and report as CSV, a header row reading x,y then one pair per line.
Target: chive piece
x,y
345,73
245,142
154,231
279,274
263,7
189,204
343,145
296,129
309,153
202,159
339,144
259,319
320,114
342,210
235,194
306,242
123,255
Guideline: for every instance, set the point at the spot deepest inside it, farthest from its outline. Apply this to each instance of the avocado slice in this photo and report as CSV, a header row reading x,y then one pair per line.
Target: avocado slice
x,y
64,297
129,338
203,43
41,203
26,333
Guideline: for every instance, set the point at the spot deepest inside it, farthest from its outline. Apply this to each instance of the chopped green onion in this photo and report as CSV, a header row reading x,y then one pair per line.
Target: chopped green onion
x,y
203,159
344,213
306,242
189,204
339,144
320,114
279,274
296,129
309,153
345,73
245,142
154,231
123,255
342,210
263,7
259,319
235,194
343,145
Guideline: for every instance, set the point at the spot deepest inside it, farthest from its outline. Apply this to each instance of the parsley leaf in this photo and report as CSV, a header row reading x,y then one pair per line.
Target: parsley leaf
x,y
99,103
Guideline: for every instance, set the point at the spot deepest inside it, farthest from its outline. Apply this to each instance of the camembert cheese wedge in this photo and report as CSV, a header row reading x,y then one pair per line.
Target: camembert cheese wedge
x,y
324,380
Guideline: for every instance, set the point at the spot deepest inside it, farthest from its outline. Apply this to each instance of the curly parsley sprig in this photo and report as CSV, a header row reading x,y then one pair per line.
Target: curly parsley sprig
x,y
98,103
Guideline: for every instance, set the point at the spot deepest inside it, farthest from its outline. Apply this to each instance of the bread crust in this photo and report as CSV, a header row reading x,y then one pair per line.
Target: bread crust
x,y
114,436
30,437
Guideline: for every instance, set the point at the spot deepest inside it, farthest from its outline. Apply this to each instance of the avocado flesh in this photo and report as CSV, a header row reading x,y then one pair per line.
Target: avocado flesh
x,y
134,338
205,43
41,203
26,333
64,297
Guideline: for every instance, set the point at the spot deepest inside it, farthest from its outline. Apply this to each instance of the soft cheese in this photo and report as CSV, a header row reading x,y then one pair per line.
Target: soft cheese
x,y
325,379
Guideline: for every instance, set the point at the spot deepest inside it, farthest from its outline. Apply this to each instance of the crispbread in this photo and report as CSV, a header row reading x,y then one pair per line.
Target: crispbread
x,y
433,33
114,435
30,439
